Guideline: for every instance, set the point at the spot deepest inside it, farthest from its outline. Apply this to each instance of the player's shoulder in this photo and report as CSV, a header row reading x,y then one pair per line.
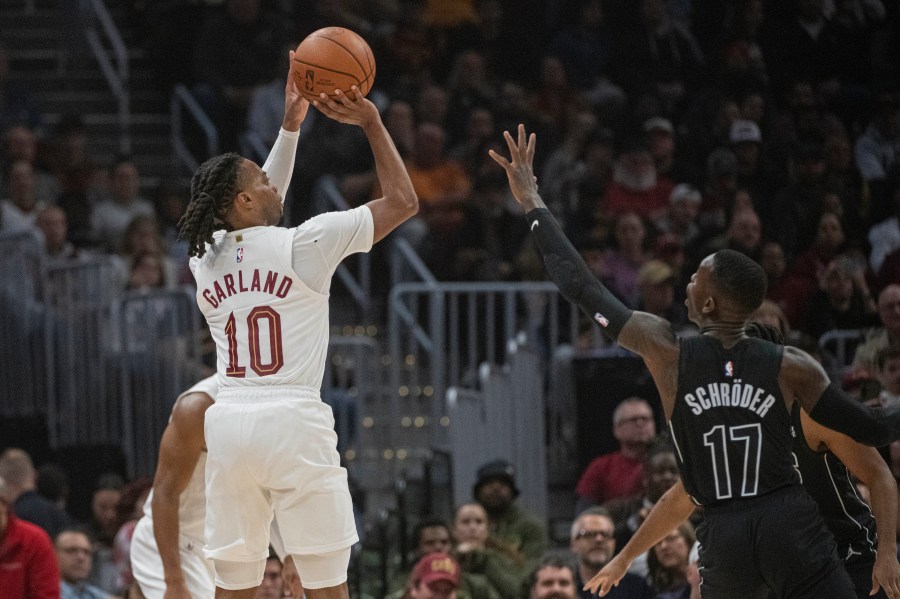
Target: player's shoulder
x,y
191,406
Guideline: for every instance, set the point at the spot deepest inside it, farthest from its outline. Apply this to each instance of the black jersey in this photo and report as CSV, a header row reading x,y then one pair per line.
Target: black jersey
x,y
827,480
730,426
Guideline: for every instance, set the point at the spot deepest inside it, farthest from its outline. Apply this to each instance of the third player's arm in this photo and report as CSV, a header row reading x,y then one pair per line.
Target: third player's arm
x,y
802,377
180,448
867,465
673,508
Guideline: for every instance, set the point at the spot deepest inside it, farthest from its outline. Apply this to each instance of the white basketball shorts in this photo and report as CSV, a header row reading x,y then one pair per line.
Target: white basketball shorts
x,y
147,567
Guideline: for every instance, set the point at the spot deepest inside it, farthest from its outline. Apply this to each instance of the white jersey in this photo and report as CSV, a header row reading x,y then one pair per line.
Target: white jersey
x,y
192,502
264,293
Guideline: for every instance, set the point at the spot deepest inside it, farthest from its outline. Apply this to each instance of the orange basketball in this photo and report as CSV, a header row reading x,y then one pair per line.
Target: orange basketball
x,y
333,58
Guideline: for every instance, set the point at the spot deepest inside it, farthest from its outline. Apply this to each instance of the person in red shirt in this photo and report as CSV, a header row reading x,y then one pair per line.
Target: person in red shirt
x,y
619,474
28,567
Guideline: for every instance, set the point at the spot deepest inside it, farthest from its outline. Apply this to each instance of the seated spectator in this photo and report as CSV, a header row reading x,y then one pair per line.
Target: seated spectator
x,y
593,543
619,474
888,376
843,300
53,484
73,552
495,489
721,183
111,217
435,576
54,226
272,585
660,472
635,186
680,218
21,143
656,293
669,563
884,236
103,528
142,249
28,567
771,314
876,149
19,211
18,471
628,254
552,577
481,553
865,359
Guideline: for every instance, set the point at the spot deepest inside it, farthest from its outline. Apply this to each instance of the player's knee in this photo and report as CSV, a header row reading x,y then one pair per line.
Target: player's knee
x,y
323,570
234,576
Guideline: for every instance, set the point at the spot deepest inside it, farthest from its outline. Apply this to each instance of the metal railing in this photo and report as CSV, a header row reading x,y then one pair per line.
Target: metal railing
x,y
114,64
183,101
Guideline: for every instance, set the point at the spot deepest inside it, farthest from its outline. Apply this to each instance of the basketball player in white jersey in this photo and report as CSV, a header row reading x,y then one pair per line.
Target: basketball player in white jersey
x,y
264,293
167,547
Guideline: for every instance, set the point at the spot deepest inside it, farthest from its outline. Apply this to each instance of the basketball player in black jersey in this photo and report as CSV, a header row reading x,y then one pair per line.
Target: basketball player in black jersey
x,y
822,457
727,398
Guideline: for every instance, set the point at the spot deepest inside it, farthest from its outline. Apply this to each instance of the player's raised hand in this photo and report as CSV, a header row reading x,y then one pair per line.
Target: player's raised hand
x,y
519,167
886,575
295,105
355,110
608,577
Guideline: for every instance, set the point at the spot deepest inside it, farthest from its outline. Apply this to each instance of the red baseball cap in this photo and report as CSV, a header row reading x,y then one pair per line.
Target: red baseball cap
x,y
434,567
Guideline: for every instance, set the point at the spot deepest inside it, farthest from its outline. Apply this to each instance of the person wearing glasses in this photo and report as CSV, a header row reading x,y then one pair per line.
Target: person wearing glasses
x,y
593,543
619,474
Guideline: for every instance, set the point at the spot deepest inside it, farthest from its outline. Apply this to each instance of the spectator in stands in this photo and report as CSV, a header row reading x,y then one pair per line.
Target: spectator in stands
x,y
142,248
842,179
843,300
232,44
888,376
635,186
29,569
21,143
661,138
110,218
54,226
495,489
73,552
746,142
721,184
743,234
103,528
20,210
53,484
552,577
656,293
672,574
484,555
797,207
435,576
878,148
272,586
771,314
18,471
619,474
593,543
865,360
626,257
884,236
680,218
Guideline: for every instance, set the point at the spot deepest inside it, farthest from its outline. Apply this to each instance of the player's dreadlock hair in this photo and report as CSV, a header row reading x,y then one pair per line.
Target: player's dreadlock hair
x,y
213,188
766,332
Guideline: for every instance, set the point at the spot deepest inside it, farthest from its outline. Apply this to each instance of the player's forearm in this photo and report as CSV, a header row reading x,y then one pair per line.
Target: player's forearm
x,y
883,491
166,531
279,165
393,177
570,273
840,412
673,508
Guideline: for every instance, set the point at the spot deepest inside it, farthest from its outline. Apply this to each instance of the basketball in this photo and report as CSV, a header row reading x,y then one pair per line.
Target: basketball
x,y
333,58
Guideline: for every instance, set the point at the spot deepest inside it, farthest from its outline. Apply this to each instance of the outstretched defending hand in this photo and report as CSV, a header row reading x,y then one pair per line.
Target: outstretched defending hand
x,y
519,167
886,575
608,577
343,108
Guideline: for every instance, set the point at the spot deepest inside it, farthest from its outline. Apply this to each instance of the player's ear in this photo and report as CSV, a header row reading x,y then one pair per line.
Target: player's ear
x,y
709,305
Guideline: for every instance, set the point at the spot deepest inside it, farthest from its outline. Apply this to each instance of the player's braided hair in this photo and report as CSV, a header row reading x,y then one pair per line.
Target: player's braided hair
x,y
213,188
766,332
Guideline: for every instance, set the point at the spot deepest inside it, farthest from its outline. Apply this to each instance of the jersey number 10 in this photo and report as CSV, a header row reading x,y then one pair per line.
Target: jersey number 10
x,y
276,353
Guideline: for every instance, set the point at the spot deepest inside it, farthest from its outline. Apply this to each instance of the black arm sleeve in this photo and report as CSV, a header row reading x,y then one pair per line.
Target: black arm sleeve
x,y
572,276
870,426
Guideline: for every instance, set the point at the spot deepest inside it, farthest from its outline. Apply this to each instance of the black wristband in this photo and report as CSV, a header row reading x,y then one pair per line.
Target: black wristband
x,y
575,281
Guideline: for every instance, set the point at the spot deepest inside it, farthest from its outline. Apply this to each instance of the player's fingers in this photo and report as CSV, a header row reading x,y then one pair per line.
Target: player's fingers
x,y
511,144
499,159
529,150
521,144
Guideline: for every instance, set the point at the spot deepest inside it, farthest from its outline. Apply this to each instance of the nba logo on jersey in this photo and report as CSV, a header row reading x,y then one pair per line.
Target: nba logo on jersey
x,y
600,318
729,368
240,255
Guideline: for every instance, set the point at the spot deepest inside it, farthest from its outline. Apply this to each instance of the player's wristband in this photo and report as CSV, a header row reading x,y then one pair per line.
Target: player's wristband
x,y
871,426
572,276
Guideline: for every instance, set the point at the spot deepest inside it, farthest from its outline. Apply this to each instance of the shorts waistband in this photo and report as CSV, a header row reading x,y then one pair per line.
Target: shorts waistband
x,y
267,393
744,503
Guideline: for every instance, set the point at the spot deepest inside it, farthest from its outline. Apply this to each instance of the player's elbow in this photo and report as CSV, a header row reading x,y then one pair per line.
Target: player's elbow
x,y
409,202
